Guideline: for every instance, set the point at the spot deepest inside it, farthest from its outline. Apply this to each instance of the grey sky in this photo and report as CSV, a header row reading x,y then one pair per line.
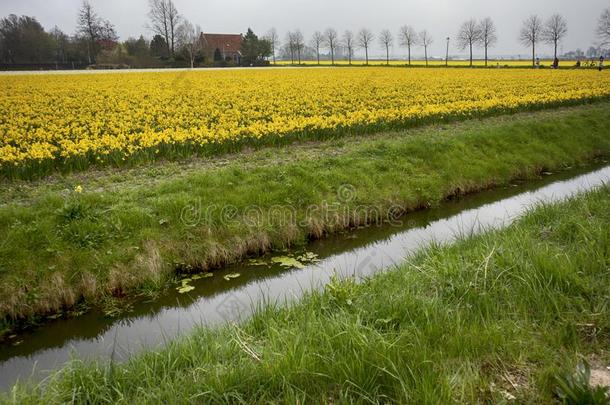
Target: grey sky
x,y
440,17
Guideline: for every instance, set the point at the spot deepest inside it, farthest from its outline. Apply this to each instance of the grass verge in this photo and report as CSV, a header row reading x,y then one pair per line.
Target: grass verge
x,y
505,315
94,236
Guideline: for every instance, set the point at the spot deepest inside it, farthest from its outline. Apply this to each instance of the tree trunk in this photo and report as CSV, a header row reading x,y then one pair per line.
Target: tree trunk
x,y
533,54
387,55
426,54
366,52
172,32
470,53
555,51
409,48
318,53
169,49
485,55
88,52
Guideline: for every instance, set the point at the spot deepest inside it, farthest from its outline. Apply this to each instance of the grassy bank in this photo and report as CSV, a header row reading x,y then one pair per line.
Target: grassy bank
x,y
506,315
89,237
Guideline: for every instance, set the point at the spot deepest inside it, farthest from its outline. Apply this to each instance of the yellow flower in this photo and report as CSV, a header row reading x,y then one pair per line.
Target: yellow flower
x,y
78,189
111,117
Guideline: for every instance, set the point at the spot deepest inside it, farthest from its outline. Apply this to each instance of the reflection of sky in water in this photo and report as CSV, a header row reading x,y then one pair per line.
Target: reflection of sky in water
x,y
132,334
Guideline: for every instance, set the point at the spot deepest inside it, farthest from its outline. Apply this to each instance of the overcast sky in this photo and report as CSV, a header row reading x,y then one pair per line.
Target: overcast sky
x,y
440,17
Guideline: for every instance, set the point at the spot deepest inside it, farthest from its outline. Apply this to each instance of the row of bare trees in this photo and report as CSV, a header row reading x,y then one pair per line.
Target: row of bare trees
x,y
363,39
472,34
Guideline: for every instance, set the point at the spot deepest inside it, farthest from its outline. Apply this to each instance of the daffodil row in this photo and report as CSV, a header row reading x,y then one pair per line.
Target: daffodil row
x,y
55,118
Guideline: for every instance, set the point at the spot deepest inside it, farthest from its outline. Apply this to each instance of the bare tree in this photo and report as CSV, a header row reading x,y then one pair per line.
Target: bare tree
x,y
164,20
294,42
107,32
173,19
386,39
274,41
158,20
555,29
88,26
488,35
425,40
348,43
531,32
408,38
603,28
291,45
331,39
93,29
317,40
468,36
298,43
188,37
365,37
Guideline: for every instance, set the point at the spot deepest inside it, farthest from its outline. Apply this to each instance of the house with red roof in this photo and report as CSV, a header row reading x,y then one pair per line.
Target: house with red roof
x,y
227,46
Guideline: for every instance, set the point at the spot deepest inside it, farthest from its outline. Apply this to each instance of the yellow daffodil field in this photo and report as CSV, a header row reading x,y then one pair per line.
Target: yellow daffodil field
x,y
70,121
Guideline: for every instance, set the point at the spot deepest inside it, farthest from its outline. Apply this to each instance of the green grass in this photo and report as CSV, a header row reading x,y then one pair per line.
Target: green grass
x,y
507,313
125,233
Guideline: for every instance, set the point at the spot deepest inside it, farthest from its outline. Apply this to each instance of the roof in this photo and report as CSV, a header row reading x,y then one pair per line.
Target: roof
x,y
107,44
224,42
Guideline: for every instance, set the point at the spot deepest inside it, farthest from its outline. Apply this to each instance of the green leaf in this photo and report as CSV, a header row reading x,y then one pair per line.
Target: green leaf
x,y
203,275
308,257
185,289
231,276
286,261
257,262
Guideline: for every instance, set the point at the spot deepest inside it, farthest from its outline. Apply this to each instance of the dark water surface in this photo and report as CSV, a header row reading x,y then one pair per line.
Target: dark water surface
x,y
216,300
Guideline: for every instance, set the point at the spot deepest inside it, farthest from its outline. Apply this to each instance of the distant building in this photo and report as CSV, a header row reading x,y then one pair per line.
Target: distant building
x,y
222,47
107,44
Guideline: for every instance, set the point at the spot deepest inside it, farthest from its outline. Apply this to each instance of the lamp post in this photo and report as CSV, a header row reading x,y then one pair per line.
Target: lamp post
x,y
447,55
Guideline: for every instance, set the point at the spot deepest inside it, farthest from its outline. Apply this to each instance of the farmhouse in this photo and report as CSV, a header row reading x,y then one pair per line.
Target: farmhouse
x,y
225,47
